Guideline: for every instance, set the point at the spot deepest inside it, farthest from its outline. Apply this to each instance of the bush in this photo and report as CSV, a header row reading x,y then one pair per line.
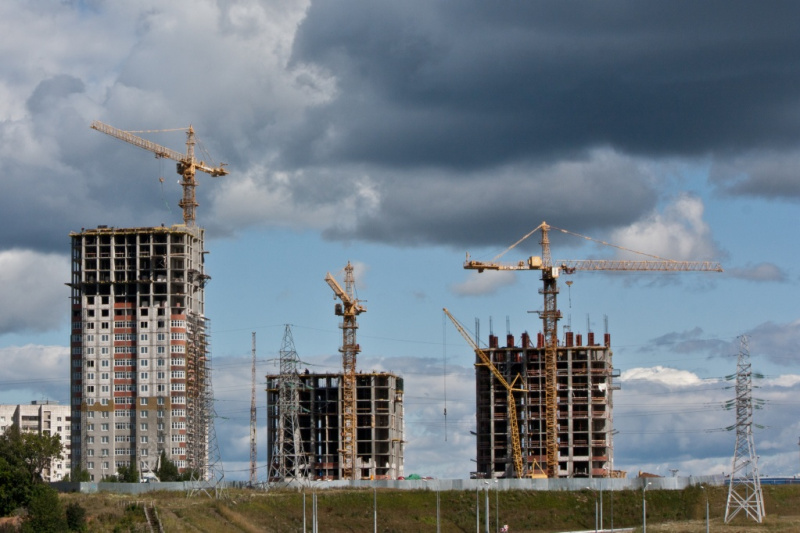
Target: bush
x,y
45,514
76,517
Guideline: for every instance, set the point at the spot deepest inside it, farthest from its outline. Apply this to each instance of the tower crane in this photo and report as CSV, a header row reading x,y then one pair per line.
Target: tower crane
x,y
550,314
513,423
187,164
348,310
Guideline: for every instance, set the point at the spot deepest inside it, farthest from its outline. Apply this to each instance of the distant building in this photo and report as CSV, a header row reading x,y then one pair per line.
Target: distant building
x,y
45,418
139,348
379,424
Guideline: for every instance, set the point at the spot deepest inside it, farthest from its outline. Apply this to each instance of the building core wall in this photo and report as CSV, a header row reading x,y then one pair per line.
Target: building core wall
x,y
584,392
379,424
138,348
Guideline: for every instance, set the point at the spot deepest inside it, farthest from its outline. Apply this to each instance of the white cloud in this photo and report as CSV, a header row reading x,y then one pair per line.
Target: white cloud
x,y
32,290
487,282
678,232
662,375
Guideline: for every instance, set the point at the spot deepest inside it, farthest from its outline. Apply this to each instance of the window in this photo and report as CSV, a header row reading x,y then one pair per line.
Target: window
x,y
160,401
144,375
90,389
179,438
178,374
143,362
104,401
161,388
143,401
143,439
143,452
177,348
178,386
143,388
103,427
143,414
104,351
161,349
161,337
104,375
104,338
159,375
104,388
104,440
89,440
143,349
177,336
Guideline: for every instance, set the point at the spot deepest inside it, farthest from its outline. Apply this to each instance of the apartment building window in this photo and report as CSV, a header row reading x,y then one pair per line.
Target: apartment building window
x,y
143,426
143,439
143,414
103,427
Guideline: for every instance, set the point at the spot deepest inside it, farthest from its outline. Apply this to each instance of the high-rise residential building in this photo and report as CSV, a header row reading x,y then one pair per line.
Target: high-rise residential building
x,y
584,393
46,418
379,424
139,348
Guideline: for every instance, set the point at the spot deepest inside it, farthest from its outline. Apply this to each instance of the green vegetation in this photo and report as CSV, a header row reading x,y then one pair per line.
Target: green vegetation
x,y
415,510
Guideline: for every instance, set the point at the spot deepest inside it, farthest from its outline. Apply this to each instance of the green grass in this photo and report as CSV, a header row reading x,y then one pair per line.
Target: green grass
x,y
402,511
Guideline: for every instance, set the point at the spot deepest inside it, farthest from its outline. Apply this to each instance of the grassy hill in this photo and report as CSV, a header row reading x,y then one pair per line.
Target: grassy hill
x,y
403,511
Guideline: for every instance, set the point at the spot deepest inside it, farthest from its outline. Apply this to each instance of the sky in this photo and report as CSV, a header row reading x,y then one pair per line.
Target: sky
x,y
400,137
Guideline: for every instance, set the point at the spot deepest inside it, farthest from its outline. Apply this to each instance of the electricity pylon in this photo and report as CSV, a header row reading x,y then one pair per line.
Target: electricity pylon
x,y
288,462
744,490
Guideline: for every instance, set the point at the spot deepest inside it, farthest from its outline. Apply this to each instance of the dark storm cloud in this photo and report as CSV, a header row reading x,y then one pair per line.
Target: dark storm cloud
x,y
471,84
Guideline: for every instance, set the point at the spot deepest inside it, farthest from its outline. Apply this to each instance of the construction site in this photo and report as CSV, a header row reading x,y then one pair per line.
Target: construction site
x,y
140,349
328,426
141,383
584,388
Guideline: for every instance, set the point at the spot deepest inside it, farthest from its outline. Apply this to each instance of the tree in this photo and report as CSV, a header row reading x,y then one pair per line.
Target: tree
x,y
34,451
167,470
45,513
15,486
128,474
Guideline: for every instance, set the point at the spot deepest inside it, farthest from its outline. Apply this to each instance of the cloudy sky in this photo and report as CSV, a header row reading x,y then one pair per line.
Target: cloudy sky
x,y
400,136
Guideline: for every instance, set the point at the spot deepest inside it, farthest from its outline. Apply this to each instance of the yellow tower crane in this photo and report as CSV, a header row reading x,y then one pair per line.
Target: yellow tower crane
x,y
187,164
513,423
550,313
348,310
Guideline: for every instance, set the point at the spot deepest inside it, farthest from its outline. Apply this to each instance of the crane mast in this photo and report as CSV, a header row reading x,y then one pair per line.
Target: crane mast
x,y
550,314
348,310
187,164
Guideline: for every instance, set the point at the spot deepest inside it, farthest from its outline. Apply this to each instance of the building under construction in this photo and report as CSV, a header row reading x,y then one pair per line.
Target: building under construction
x,y
584,406
139,349
379,424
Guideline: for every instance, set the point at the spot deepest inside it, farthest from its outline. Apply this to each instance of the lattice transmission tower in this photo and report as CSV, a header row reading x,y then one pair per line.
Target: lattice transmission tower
x,y
288,462
744,490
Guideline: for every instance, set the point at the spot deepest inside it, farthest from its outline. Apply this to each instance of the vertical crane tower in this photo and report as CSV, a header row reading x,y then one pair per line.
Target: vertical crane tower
x,y
349,309
187,164
550,314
